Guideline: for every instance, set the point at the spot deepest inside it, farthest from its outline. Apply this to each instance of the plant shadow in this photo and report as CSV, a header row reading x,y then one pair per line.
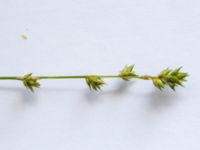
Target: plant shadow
x,y
159,100
26,96
122,87
155,100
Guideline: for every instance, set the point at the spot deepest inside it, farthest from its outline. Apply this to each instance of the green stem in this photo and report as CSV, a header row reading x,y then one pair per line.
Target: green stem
x,y
144,77
8,78
76,77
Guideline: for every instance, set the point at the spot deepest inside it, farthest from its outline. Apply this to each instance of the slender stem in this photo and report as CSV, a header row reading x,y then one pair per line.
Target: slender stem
x,y
8,78
76,77
60,77
144,77
68,77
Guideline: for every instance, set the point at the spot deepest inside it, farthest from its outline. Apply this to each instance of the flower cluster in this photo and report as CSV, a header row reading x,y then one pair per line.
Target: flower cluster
x,y
94,82
30,82
127,73
170,77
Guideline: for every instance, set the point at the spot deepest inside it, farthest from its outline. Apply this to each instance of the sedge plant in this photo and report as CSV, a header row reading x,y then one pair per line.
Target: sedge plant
x,y
168,77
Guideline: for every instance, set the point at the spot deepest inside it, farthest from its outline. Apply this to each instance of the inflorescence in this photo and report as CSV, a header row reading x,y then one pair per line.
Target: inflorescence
x,y
167,77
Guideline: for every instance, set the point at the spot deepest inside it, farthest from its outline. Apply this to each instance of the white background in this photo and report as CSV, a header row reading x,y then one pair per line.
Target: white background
x,y
70,37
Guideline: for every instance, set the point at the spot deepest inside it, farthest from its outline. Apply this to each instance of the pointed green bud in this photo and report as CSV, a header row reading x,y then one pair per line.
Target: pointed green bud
x,y
158,83
176,71
182,76
172,85
165,72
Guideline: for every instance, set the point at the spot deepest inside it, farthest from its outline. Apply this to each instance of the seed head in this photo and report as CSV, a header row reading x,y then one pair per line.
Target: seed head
x,y
127,72
30,82
94,82
170,77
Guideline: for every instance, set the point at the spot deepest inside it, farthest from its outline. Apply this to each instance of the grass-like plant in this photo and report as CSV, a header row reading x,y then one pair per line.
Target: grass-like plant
x,y
167,77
